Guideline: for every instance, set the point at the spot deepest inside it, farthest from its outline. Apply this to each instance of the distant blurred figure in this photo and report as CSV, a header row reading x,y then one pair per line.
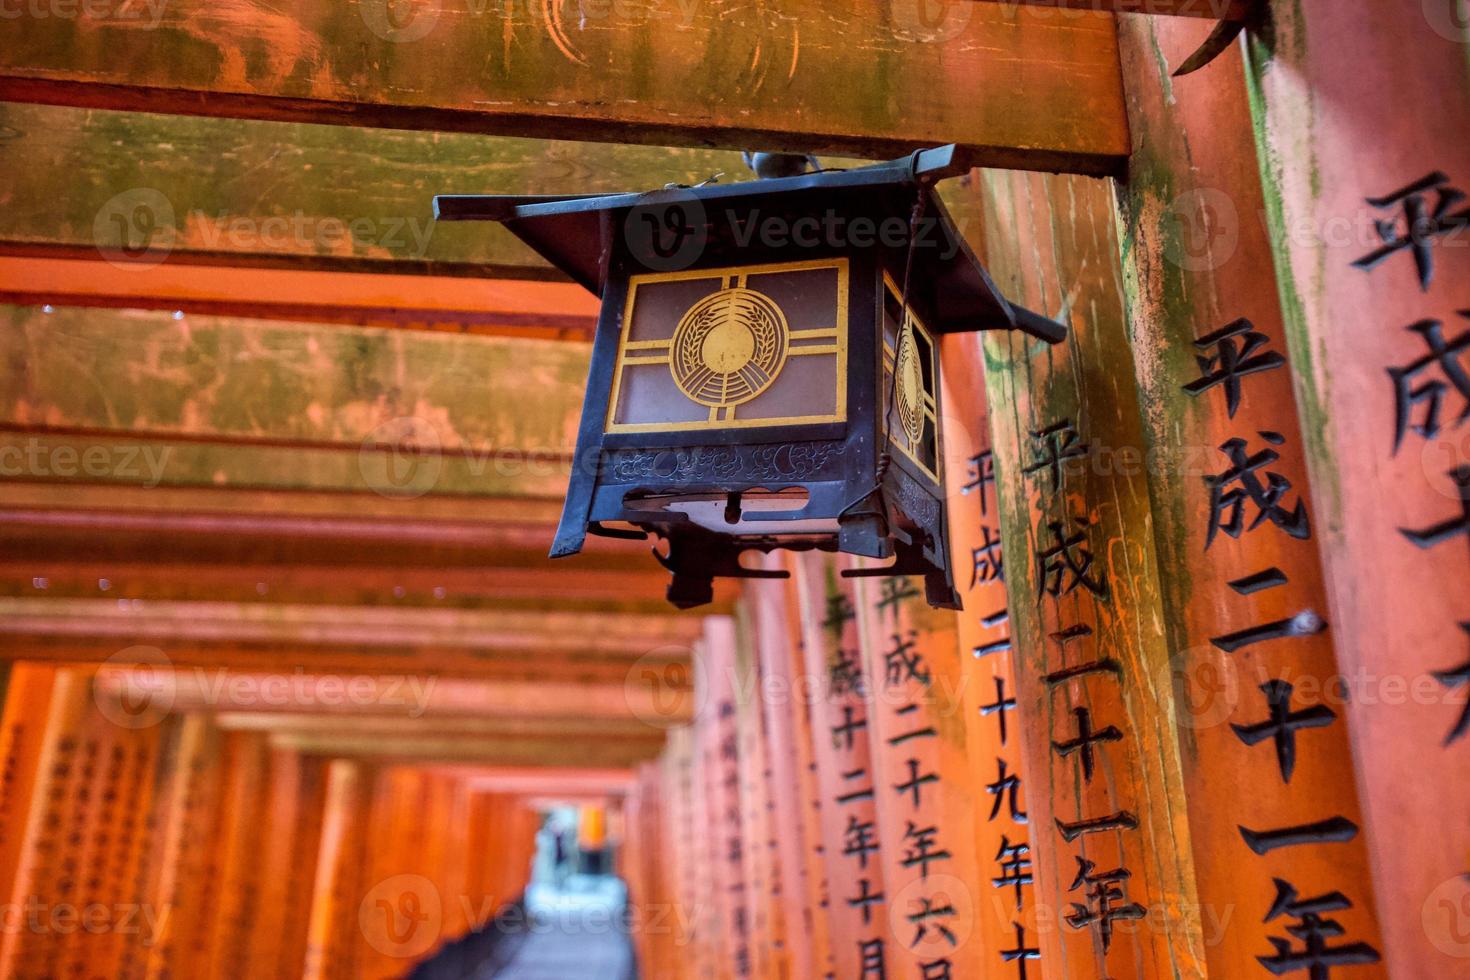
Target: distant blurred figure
x,y
561,865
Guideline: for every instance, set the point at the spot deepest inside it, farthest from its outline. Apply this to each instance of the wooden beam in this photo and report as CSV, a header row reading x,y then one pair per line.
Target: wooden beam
x,y
825,76
220,401
279,196
1213,9
521,751
138,229
488,307
555,728
254,700
530,632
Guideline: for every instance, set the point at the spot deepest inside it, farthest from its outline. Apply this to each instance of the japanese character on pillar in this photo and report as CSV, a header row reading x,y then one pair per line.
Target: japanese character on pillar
x,y
1304,623
1453,527
1102,890
1086,737
1410,391
1057,445
922,849
1458,677
1317,957
1282,724
1240,351
1228,503
1015,864
987,563
1419,223
873,962
901,663
1020,953
1065,565
981,476
1005,789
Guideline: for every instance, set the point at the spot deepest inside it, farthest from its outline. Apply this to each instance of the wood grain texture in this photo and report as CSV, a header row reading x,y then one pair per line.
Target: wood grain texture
x,y
841,709
1213,9
190,190
1006,919
258,392
1195,262
1346,110
928,796
874,79
1083,582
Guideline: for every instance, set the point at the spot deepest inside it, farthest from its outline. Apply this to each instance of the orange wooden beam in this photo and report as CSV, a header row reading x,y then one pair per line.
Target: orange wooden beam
x,y
504,307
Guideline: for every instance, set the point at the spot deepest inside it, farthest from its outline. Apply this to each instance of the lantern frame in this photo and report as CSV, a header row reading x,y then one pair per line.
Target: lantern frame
x,y
866,493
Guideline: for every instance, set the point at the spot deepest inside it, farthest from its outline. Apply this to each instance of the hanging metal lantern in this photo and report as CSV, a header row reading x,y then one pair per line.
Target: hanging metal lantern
x,y
764,372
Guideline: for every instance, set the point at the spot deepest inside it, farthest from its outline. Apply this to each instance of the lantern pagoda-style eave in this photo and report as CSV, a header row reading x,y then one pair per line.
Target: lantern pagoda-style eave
x,y
575,232
765,370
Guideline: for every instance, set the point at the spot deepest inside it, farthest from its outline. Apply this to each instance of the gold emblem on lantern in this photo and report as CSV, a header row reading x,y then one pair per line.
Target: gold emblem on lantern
x,y
908,380
909,368
729,347
766,342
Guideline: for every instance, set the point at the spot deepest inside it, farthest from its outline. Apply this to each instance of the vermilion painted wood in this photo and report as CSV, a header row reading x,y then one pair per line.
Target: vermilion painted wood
x,y
305,847
280,800
765,881
1348,111
804,688
83,830
718,786
131,846
639,860
235,904
1084,588
788,755
927,793
329,954
1006,922
184,812
677,933
45,822
840,707
22,744
485,307
1196,263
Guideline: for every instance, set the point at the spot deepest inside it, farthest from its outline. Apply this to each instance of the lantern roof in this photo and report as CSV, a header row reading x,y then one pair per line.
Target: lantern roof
x,y
574,232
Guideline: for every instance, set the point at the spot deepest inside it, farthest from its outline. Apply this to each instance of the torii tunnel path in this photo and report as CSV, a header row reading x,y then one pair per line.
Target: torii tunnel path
x,y
574,936
567,953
